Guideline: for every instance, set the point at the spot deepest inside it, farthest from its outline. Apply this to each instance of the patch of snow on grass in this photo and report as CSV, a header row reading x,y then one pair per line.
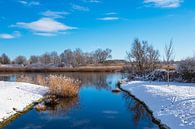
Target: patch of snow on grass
x,y
15,96
174,105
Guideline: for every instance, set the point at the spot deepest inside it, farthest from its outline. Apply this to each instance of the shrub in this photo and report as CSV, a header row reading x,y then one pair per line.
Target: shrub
x,y
63,86
59,85
161,75
186,68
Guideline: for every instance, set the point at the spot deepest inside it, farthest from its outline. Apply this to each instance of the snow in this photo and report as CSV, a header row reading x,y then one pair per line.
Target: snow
x,y
173,105
11,65
17,95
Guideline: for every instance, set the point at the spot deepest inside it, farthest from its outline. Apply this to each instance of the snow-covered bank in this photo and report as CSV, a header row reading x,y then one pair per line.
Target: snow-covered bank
x,y
174,105
16,96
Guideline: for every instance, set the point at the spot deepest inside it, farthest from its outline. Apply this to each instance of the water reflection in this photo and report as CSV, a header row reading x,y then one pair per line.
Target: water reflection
x,y
138,110
98,80
8,77
64,106
39,79
95,107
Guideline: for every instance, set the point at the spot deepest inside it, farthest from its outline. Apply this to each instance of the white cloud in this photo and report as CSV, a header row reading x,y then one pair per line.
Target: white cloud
x,y
54,14
111,13
10,36
164,3
45,26
23,2
29,3
79,8
49,34
108,18
45,34
7,36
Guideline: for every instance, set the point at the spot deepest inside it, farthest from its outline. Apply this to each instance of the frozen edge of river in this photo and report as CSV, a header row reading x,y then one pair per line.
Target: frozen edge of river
x,y
17,96
173,105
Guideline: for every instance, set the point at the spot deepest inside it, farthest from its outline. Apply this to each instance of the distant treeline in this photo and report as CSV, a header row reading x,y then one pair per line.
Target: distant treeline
x,y
69,57
142,57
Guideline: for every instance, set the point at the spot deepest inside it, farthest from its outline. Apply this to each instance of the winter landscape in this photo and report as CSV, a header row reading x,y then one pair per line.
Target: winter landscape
x,y
97,64
173,105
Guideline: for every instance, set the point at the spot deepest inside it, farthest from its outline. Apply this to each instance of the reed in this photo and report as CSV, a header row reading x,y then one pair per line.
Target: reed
x,y
63,86
41,80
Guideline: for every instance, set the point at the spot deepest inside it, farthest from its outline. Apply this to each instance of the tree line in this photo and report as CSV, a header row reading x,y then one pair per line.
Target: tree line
x,y
67,58
143,59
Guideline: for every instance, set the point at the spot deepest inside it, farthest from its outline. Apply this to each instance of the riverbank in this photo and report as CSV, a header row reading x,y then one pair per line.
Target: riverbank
x,y
17,96
173,105
92,68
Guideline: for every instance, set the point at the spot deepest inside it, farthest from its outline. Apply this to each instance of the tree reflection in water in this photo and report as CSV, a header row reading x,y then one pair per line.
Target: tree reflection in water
x,y
64,106
39,79
78,113
98,80
138,110
7,77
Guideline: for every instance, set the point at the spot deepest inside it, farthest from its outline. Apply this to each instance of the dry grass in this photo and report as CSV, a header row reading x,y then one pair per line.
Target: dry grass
x,y
41,80
59,85
63,86
88,68
170,67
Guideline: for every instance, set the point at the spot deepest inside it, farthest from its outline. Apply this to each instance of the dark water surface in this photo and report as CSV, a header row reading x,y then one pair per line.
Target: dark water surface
x,y
96,107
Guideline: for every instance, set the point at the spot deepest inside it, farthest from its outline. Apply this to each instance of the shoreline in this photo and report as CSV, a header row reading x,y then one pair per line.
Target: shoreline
x,y
13,117
25,93
154,119
167,104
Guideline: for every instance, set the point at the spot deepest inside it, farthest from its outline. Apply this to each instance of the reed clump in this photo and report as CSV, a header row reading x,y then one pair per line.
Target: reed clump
x,y
41,80
63,86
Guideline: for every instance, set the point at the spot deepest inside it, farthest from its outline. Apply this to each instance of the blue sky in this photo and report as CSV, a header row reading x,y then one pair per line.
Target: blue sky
x,y
36,26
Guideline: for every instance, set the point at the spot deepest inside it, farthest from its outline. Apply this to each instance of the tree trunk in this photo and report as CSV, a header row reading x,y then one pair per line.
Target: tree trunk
x,y
168,76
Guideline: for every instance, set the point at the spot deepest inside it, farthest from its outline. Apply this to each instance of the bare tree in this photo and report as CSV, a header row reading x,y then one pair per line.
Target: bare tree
x,y
33,59
153,58
89,58
143,57
79,57
55,59
21,60
102,55
5,59
67,57
169,56
45,58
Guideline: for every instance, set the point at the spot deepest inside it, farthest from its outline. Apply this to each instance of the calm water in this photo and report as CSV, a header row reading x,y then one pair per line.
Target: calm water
x,y
96,107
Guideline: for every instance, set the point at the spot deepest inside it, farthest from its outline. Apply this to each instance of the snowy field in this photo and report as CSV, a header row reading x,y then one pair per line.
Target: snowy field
x,y
15,96
174,105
